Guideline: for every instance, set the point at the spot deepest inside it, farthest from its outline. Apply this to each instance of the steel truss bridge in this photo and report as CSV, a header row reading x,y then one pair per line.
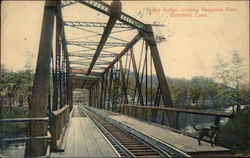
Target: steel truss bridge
x,y
114,58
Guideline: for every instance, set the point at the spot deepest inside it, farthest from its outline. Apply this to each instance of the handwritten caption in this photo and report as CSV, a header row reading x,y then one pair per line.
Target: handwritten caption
x,y
190,12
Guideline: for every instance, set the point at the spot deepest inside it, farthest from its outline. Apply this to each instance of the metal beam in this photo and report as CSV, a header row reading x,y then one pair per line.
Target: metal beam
x,y
105,9
86,43
91,55
85,68
93,24
124,51
138,85
100,24
160,75
101,96
95,49
82,76
124,91
66,3
112,19
110,86
80,71
87,63
39,98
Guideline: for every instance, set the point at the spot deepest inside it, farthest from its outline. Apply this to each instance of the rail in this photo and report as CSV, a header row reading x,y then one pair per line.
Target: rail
x,y
58,123
24,139
154,110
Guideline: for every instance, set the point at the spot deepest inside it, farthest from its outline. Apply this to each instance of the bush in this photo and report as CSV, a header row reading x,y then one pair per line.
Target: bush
x,y
235,134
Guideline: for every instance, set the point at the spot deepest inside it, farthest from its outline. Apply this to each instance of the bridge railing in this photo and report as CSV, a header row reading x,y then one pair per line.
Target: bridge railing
x,y
25,138
133,110
58,123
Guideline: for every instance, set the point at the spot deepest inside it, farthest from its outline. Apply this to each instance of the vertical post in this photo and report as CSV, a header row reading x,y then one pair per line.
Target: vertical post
x,y
217,125
136,77
162,117
102,85
38,107
97,93
57,60
124,92
90,96
160,75
110,86
105,89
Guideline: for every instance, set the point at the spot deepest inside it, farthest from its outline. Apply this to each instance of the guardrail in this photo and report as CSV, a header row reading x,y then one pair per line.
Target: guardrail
x,y
24,139
154,110
58,123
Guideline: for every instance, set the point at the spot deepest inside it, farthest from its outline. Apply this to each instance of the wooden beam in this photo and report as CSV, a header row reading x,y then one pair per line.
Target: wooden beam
x,y
39,98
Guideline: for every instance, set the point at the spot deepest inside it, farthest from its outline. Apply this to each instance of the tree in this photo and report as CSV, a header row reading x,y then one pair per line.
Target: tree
x,y
237,73
8,86
232,93
221,68
233,97
212,91
194,93
230,72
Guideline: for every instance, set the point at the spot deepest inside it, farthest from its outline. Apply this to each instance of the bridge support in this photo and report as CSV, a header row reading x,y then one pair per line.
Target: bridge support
x,y
38,107
161,76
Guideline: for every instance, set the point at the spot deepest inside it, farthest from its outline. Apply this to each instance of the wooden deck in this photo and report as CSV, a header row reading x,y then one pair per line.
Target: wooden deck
x,y
83,139
184,143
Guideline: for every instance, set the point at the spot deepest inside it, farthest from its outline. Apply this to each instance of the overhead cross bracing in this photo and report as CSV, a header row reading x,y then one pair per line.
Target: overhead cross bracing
x,y
88,38
107,35
86,43
93,24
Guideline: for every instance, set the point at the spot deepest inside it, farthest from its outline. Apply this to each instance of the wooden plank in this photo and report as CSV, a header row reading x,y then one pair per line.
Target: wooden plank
x,y
80,145
83,139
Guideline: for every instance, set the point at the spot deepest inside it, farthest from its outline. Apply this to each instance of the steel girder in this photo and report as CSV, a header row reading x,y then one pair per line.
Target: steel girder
x,y
105,9
91,55
84,68
114,15
85,43
87,63
90,48
93,24
66,3
81,71
124,51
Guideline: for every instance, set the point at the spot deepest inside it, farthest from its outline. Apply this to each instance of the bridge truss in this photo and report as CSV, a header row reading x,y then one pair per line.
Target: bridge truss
x,y
113,56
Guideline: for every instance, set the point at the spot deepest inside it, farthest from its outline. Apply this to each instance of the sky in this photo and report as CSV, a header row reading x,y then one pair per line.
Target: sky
x,y
195,32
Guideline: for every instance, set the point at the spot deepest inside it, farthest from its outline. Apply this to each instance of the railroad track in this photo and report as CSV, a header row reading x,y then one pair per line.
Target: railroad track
x,y
126,144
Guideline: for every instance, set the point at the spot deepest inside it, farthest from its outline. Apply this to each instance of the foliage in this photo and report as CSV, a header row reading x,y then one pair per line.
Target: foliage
x,y
230,72
212,91
236,66
235,134
16,85
233,97
221,69
194,93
